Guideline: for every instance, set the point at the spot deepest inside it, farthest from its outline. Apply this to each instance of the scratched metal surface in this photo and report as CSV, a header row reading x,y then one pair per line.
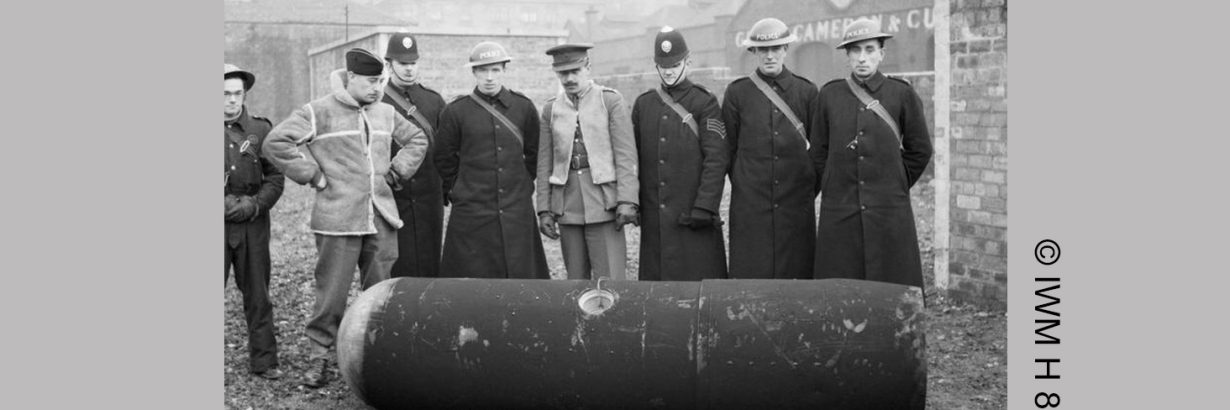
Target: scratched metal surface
x,y
827,344
470,343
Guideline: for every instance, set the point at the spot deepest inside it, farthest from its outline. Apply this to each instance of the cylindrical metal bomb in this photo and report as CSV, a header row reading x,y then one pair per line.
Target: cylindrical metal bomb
x,y
564,344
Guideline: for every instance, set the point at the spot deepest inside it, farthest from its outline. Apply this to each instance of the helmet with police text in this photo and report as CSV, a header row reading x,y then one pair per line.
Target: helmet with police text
x,y
769,32
402,48
233,71
669,47
487,53
861,29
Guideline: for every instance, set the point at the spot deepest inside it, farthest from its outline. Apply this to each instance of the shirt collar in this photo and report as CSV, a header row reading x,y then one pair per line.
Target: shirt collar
x,y
575,99
679,88
239,121
783,80
403,91
873,83
501,96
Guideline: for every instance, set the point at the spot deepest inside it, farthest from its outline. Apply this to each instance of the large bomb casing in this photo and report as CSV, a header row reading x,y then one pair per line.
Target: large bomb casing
x,y
427,343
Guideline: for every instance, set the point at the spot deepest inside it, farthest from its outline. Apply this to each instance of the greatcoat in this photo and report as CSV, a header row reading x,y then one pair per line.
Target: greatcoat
x,y
866,228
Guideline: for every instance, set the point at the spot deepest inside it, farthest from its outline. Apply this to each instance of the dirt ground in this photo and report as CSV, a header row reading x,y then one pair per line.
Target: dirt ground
x,y
966,346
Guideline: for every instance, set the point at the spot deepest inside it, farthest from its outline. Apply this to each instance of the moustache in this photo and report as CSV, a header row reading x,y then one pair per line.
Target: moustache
x,y
570,84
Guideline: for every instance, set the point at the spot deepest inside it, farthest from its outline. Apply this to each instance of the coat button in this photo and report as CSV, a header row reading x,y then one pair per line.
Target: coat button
x,y
860,182
663,206
501,212
661,161
232,167
497,126
776,133
664,117
863,207
860,157
663,183
775,158
499,148
501,190
775,206
662,139
860,133
231,145
776,182
501,169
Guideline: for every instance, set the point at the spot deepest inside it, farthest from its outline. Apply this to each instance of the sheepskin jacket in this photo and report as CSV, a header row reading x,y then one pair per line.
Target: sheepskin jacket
x,y
347,144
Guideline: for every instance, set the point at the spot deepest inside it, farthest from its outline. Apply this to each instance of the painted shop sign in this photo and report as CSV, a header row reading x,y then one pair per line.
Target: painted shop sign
x,y
908,23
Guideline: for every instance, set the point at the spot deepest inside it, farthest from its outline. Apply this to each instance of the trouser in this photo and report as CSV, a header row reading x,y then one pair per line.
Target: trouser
x,y
594,247
374,255
247,250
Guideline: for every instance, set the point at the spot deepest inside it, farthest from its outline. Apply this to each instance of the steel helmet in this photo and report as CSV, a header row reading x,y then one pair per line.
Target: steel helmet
x,y
769,32
231,70
487,53
861,29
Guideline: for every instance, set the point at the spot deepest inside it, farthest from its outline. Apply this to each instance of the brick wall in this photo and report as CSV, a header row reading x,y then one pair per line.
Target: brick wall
x,y
706,44
978,264
632,85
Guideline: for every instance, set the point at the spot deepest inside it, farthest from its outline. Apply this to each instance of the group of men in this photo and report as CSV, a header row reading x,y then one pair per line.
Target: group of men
x,y
387,154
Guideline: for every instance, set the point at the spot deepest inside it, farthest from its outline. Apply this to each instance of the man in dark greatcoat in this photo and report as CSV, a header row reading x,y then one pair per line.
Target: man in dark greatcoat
x,y
420,202
253,185
769,116
683,163
867,165
487,150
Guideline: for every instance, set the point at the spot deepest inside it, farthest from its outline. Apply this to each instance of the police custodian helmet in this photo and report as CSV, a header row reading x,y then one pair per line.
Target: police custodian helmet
x,y
861,29
669,47
769,32
402,48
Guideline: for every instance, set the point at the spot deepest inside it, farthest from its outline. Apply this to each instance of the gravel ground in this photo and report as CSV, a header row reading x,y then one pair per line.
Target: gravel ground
x,y
966,346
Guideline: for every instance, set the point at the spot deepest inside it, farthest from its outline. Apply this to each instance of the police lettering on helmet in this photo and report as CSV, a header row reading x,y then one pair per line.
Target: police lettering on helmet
x,y
769,39
864,45
487,62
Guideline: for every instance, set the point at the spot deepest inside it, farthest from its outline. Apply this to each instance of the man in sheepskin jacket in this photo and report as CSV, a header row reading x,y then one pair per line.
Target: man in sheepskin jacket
x,y
339,144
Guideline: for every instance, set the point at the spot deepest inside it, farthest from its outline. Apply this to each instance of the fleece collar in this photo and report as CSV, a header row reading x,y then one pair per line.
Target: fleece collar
x,y
337,82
